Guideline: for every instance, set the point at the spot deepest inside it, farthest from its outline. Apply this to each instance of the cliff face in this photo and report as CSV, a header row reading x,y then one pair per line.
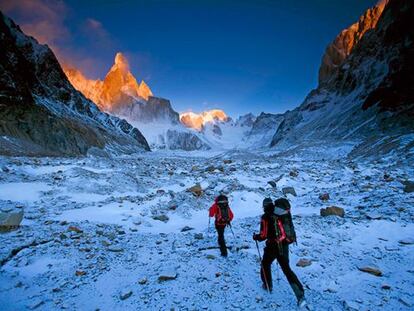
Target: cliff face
x,y
368,95
42,114
344,43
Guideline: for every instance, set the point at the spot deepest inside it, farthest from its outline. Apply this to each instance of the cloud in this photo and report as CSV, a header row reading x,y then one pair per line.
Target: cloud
x,y
93,30
42,19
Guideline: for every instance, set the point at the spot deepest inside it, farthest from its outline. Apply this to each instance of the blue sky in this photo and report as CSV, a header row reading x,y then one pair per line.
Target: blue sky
x,y
240,56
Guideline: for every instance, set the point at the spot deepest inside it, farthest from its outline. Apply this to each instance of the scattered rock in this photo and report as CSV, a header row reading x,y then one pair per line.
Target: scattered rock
x,y
371,270
143,281
35,304
125,295
406,241
408,186
198,236
386,286
272,183
324,196
210,256
196,190
218,274
294,173
303,262
289,190
227,161
162,217
332,211
210,169
75,229
160,191
186,228
374,216
80,272
388,178
167,277
115,249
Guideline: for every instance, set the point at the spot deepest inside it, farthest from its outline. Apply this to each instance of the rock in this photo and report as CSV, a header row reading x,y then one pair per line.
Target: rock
x,y
218,274
408,186
35,304
196,190
289,190
374,216
162,217
186,228
210,256
11,219
80,272
303,262
388,178
198,236
5,169
227,161
294,173
125,295
143,281
75,229
371,270
115,249
351,305
332,211
406,241
386,286
324,196
160,191
210,169
272,183
167,277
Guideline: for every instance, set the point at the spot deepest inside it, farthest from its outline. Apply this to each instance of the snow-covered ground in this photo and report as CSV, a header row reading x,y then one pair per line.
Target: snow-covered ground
x,y
107,233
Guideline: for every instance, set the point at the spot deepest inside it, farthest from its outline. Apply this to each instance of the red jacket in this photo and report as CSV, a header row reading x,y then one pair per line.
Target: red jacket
x,y
268,232
214,211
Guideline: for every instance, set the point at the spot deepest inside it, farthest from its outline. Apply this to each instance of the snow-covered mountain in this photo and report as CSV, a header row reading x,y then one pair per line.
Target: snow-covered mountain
x,y
365,94
42,114
121,95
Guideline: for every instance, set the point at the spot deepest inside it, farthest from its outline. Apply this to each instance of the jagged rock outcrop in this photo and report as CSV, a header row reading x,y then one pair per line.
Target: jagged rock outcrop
x,y
42,114
369,96
263,129
246,120
117,90
344,43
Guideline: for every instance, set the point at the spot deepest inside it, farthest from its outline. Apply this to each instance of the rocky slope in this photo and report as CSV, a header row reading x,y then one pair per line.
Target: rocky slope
x,y
367,98
42,114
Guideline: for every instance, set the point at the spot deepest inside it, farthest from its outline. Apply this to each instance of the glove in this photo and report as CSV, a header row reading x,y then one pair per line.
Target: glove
x,y
256,236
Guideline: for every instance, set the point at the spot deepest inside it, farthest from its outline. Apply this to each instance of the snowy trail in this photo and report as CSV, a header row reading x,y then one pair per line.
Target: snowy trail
x,y
113,228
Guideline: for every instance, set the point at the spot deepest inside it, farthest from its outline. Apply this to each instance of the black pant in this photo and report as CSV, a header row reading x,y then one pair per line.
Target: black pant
x,y
272,252
221,241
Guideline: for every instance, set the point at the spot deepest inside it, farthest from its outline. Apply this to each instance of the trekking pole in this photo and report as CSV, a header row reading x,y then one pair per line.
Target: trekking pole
x,y
208,230
261,266
231,228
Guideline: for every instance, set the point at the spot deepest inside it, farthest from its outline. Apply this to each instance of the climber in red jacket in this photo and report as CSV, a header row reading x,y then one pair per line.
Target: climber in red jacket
x,y
223,216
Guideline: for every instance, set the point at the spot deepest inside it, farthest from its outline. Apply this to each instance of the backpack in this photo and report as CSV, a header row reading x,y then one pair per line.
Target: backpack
x,y
284,229
224,216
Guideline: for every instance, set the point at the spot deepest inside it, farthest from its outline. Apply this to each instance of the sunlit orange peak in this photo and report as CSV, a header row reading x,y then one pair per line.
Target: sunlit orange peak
x,y
198,120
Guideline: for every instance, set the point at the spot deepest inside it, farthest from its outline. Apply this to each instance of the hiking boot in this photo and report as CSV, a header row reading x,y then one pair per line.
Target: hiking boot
x,y
265,288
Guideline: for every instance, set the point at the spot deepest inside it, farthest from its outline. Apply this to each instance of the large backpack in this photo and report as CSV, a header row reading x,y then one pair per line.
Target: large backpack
x,y
224,216
284,229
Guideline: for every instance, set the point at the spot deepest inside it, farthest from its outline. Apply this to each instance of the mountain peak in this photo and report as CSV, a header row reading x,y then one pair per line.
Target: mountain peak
x,y
144,90
121,61
198,120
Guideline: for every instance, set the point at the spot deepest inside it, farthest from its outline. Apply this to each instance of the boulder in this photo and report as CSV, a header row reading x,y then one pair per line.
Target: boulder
x,y
227,161
74,229
289,190
272,183
332,211
196,190
198,236
371,270
11,219
293,173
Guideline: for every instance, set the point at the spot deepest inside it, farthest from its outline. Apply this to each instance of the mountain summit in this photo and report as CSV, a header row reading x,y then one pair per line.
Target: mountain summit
x,y
119,88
